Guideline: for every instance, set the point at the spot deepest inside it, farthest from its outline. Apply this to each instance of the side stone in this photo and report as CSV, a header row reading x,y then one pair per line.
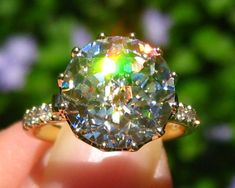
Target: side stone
x,y
38,115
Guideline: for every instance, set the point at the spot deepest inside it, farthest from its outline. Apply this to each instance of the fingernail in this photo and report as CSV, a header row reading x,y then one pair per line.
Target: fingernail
x,y
73,163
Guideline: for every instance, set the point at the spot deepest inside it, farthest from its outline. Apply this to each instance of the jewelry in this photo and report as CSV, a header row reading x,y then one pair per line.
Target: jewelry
x,y
117,93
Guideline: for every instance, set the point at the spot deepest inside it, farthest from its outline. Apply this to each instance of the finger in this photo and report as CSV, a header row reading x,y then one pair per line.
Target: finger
x,y
162,176
74,163
18,154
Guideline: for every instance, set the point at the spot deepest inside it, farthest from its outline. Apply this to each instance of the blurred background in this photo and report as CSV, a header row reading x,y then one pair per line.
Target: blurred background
x,y
198,40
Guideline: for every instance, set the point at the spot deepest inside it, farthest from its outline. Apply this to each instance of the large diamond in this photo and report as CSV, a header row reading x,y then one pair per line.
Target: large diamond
x,y
118,92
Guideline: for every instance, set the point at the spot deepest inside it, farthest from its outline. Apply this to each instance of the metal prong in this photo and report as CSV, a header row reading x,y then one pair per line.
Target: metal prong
x,y
176,100
61,76
102,36
58,103
189,107
174,75
132,35
75,52
63,105
196,123
159,51
60,79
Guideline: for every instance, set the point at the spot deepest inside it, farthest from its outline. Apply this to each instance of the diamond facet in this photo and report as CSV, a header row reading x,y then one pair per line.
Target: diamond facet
x,y
187,115
119,92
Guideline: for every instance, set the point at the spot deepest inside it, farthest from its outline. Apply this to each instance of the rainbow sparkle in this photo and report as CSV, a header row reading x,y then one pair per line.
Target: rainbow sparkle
x,y
118,92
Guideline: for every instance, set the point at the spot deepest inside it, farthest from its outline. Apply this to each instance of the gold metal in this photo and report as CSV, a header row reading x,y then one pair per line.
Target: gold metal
x,y
159,52
49,131
60,80
173,130
132,35
75,52
45,121
102,36
174,75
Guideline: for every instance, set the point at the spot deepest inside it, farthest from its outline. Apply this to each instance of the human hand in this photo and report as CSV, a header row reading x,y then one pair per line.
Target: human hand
x,y
30,163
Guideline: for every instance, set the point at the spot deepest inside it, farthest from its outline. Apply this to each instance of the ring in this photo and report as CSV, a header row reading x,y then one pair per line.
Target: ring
x,y
117,93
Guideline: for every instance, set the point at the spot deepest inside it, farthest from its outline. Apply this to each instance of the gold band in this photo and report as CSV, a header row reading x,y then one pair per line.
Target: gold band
x,y
117,93
49,131
44,123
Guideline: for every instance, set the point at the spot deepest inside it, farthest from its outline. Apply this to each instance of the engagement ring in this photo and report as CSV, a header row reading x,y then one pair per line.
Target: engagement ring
x,y
117,93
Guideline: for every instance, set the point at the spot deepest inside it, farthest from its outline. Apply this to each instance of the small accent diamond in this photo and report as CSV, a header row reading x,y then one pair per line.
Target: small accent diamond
x,y
186,114
38,115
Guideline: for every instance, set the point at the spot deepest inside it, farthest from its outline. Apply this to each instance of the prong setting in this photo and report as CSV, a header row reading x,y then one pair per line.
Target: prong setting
x,y
175,76
78,94
63,105
132,35
102,36
61,76
159,51
75,51
60,80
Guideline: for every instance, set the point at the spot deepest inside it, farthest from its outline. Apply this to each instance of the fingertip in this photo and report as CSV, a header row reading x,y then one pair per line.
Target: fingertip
x,y
162,176
74,163
18,154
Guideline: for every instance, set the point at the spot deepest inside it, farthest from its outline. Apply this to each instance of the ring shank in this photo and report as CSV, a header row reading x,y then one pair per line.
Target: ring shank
x,y
49,131
173,130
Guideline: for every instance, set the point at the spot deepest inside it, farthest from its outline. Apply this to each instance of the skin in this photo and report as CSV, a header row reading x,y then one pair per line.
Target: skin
x,y
26,161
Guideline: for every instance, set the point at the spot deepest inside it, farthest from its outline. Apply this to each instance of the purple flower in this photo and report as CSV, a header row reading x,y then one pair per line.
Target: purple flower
x,y
80,36
23,48
16,56
220,133
232,183
156,26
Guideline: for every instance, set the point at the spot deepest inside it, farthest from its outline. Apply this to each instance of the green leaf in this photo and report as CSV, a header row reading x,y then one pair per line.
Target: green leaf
x,y
184,61
193,91
214,45
9,8
205,182
218,7
185,13
190,147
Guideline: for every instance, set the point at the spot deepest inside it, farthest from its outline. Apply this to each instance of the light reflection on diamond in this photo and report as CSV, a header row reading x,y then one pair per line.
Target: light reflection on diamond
x,y
120,95
108,66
